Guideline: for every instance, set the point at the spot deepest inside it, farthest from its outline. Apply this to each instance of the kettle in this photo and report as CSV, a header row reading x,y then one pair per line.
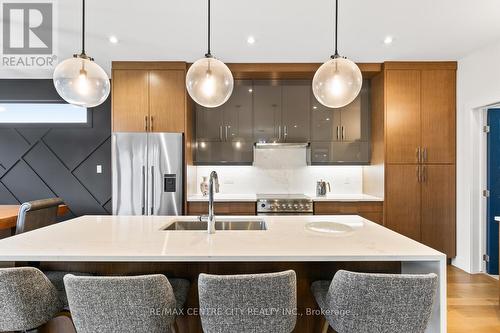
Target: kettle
x,y
321,188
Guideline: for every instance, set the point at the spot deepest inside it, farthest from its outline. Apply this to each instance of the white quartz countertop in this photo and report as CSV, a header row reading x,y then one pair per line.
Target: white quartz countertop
x,y
222,197
140,239
346,197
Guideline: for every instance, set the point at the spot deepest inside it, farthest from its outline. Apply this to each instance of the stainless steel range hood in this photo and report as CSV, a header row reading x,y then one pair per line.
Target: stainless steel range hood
x,y
278,145
281,155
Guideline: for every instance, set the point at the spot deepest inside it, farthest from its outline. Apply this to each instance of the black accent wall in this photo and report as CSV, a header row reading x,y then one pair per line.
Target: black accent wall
x,y
37,163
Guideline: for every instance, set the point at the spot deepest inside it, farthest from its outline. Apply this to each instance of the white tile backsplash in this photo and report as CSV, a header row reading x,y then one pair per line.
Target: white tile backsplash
x,y
254,179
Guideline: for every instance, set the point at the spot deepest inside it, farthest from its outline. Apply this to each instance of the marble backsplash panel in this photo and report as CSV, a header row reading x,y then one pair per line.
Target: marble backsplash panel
x,y
280,179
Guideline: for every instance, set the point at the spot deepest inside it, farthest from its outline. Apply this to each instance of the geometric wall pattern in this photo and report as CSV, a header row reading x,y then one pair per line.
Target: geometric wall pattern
x,y
37,163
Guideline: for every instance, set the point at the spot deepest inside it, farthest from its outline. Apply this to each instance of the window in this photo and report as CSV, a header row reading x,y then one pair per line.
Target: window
x,y
43,114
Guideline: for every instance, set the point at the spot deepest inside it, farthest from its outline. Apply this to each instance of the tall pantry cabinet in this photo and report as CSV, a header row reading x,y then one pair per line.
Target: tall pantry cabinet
x,y
419,123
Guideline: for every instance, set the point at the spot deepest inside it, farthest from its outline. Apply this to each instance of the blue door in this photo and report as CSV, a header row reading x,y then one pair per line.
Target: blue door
x,y
493,205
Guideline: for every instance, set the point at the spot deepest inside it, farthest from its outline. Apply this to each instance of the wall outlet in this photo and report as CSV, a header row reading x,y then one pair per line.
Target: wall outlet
x,y
99,168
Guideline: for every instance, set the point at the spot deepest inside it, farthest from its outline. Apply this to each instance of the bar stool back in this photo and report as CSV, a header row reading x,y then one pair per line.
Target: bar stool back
x,y
27,299
364,302
133,304
248,303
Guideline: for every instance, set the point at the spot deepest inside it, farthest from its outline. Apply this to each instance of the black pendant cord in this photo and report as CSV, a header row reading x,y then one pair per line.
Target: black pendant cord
x,y
83,26
208,54
336,55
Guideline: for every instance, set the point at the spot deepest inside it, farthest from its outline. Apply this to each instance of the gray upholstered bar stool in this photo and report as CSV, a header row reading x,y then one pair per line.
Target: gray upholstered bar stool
x,y
143,303
38,214
363,302
264,303
27,299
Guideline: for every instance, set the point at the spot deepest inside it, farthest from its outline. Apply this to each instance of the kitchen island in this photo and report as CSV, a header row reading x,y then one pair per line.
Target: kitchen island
x,y
139,244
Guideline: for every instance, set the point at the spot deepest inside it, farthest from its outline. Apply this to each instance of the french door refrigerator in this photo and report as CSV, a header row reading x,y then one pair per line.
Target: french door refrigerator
x,y
147,173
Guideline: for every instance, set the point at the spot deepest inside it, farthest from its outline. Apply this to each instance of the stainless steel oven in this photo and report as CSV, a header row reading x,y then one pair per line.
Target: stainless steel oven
x,y
284,204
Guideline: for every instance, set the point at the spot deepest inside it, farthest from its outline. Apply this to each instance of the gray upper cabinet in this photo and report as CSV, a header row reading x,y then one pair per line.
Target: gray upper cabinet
x,y
295,118
342,136
267,111
224,135
283,111
325,122
209,122
237,114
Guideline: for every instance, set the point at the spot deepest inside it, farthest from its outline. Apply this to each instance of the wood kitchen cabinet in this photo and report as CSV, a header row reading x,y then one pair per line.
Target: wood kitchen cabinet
x,y
149,97
420,143
403,200
420,115
371,210
130,100
438,227
222,208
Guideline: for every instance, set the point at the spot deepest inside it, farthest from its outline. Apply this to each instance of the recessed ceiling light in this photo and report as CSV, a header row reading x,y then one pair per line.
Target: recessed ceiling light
x,y
251,40
388,40
113,39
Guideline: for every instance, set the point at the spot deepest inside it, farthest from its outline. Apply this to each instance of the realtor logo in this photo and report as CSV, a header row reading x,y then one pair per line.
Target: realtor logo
x,y
28,34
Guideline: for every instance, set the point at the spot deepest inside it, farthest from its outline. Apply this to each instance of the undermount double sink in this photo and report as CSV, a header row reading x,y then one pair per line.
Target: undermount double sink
x,y
222,225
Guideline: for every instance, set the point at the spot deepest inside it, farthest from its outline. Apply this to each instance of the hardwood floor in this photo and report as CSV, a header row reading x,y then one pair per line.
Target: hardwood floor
x,y
472,303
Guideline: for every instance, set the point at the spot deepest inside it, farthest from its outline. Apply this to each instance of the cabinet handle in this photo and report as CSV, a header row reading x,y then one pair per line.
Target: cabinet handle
x,y
226,131
343,133
338,133
285,132
143,190
220,133
152,190
151,124
425,155
279,133
424,174
418,154
145,123
419,174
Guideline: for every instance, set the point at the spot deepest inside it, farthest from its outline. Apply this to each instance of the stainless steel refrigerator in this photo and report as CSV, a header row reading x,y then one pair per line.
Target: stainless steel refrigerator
x,y
147,173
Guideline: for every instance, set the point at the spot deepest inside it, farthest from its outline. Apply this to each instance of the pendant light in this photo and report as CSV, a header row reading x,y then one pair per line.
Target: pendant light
x,y
79,80
338,81
209,81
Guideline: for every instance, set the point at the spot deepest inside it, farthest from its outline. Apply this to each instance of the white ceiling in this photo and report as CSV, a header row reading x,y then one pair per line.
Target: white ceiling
x,y
285,30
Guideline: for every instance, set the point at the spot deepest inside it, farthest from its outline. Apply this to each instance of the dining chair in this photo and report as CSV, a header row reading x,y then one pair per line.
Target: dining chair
x,y
37,214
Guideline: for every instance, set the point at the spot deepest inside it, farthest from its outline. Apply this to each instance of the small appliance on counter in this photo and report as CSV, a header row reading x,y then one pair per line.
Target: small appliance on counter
x,y
147,173
322,188
284,204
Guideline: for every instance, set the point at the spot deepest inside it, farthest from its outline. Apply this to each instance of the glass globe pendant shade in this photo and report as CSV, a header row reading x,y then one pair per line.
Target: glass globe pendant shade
x,y
209,82
80,81
337,82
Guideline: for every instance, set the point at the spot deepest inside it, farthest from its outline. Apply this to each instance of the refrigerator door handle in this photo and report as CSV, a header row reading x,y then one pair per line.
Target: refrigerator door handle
x,y
143,203
152,189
